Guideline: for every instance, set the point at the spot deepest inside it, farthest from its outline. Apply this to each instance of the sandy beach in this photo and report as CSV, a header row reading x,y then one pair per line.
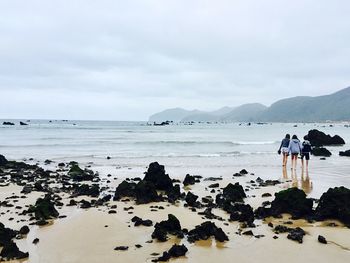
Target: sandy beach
x,y
90,235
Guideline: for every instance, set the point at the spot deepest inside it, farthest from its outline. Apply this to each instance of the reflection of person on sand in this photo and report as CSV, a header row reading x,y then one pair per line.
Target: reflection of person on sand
x,y
306,183
284,173
284,149
294,178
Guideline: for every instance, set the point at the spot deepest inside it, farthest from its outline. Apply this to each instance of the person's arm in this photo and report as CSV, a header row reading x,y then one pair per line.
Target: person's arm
x,y
280,146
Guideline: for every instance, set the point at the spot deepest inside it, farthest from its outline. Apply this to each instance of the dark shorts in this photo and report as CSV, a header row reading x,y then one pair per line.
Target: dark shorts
x,y
306,155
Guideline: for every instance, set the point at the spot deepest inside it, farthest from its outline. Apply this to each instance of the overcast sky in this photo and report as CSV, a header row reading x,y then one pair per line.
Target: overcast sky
x,y
125,60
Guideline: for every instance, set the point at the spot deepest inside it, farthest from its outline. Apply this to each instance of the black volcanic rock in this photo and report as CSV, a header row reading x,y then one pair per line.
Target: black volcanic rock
x,y
206,230
44,208
11,251
189,180
139,221
78,174
335,204
241,212
89,190
321,151
3,160
292,201
318,138
191,199
296,234
174,252
171,226
231,193
322,239
124,189
345,153
9,248
8,123
6,234
156,175
145,192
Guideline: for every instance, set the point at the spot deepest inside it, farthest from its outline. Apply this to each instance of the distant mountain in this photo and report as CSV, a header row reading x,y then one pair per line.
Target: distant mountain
x,y
333,107
245,112
176,115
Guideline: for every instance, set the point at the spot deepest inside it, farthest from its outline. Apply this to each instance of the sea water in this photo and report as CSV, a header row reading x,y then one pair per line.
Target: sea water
x,y
208,149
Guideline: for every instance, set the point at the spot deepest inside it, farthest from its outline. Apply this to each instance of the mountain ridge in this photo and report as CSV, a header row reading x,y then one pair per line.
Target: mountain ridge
x,y
331,107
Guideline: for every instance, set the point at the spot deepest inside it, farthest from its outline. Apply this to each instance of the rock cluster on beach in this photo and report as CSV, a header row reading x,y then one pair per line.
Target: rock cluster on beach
x,y
221,205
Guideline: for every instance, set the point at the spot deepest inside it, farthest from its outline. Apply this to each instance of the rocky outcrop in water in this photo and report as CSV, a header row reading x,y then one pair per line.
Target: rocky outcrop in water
x,y
321,151
345,153
318,138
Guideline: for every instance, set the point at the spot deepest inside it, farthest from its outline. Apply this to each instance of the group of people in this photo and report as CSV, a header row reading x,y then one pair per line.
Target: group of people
x,y
295,148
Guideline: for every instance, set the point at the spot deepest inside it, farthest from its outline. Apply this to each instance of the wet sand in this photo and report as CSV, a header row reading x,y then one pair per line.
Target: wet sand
x,y
90,235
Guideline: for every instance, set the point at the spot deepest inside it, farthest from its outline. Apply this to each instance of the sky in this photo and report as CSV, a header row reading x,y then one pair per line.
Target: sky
x,y
125,60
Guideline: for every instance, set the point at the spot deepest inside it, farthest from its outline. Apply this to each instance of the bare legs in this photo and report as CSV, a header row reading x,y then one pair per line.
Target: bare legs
x,y
294,161
285,159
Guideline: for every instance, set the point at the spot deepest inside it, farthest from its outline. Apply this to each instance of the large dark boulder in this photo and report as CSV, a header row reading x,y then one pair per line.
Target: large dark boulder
x,y
3,160
6,234
318,138
189,180
44,208
174,193
292,201
145,192
345,153
78,174
124,189
156,175
335,204
205,231
10,251
321,151
241,213
171,226
191,199
231,193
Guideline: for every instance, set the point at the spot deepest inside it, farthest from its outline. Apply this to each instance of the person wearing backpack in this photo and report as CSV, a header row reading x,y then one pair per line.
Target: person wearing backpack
x,y
305,152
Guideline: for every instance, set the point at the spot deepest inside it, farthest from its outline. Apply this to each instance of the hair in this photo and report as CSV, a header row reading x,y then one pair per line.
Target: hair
x,y
306,137
288,136
295,137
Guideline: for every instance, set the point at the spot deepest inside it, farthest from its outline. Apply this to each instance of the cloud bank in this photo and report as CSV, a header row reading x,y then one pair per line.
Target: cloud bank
x,y
124,60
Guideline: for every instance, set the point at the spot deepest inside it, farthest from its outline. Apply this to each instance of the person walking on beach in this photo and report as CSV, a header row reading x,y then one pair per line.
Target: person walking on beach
x,y
305,152
294,149
284,149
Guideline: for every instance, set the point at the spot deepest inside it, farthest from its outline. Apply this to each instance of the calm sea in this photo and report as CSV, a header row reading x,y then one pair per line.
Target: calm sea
x,y
207,149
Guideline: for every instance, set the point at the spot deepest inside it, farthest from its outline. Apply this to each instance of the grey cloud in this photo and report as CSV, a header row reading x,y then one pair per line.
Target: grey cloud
x,y
127,59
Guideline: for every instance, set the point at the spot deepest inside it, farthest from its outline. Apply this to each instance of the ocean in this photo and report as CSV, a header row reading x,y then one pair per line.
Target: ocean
x,y
206,149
